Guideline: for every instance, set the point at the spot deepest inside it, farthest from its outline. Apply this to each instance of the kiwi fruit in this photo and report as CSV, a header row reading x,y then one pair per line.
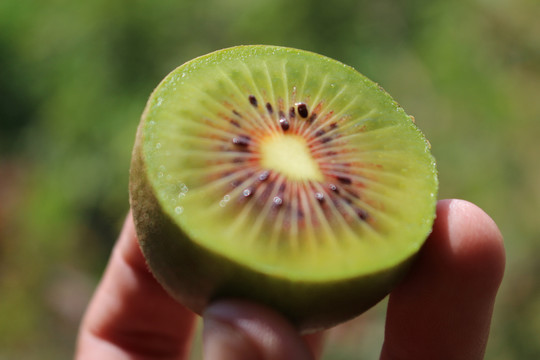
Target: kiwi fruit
x,y
280,176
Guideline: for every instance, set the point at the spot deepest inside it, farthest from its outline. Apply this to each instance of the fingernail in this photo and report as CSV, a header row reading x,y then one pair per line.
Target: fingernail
x,y
223,340
241,330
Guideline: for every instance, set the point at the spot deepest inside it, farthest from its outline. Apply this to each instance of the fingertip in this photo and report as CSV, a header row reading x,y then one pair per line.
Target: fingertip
x,y
477,243
465,244
443,308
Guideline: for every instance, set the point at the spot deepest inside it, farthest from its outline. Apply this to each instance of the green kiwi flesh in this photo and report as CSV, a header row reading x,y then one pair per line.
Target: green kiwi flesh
x,y
280,176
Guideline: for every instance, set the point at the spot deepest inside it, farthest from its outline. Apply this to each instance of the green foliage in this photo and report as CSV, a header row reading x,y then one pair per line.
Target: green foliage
x,y
75,76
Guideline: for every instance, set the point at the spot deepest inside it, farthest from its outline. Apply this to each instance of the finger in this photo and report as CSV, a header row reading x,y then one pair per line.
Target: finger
x,y
443,309
130,315
315,343
240,330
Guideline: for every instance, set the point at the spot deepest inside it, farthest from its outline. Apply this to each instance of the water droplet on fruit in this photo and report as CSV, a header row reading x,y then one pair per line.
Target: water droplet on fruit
x,y
158,146
225,200
179,210
183,188
264,175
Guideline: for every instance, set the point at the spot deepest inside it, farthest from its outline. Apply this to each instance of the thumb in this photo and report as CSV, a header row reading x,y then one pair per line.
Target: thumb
x,y
240,330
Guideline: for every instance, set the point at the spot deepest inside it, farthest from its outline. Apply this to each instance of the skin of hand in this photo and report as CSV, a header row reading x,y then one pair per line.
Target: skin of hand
x,y
441,311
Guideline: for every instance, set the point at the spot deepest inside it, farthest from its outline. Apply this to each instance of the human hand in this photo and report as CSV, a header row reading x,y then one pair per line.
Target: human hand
x,y
441,311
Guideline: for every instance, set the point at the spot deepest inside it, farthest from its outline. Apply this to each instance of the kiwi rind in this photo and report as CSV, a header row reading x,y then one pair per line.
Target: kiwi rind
x,y
195,275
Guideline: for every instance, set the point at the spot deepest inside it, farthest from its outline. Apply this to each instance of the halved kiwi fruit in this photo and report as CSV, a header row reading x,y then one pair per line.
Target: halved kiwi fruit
x,y
281,176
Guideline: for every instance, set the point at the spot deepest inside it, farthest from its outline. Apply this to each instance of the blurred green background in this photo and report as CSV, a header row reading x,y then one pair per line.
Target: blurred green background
x,y
75,76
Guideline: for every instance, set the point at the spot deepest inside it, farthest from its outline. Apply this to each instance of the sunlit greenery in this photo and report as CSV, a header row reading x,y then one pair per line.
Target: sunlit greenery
x,y
75,76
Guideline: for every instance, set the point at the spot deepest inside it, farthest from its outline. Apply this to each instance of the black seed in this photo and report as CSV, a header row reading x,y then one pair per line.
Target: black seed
x,y
362,214
347,200
248,192
264,175
325,140
269,108
331,153
300,214
292,113
284,124
319,196
235,183
237,113
344,180
253,100
235,123
320,132
334,188
312,118
242,140
303,110
333,125
238,160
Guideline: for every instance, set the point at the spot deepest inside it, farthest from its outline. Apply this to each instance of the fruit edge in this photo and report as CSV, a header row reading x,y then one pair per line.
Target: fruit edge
x,y
223,53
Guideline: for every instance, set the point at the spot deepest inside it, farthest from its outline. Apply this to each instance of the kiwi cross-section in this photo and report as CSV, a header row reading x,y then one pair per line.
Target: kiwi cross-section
x,y
280,176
